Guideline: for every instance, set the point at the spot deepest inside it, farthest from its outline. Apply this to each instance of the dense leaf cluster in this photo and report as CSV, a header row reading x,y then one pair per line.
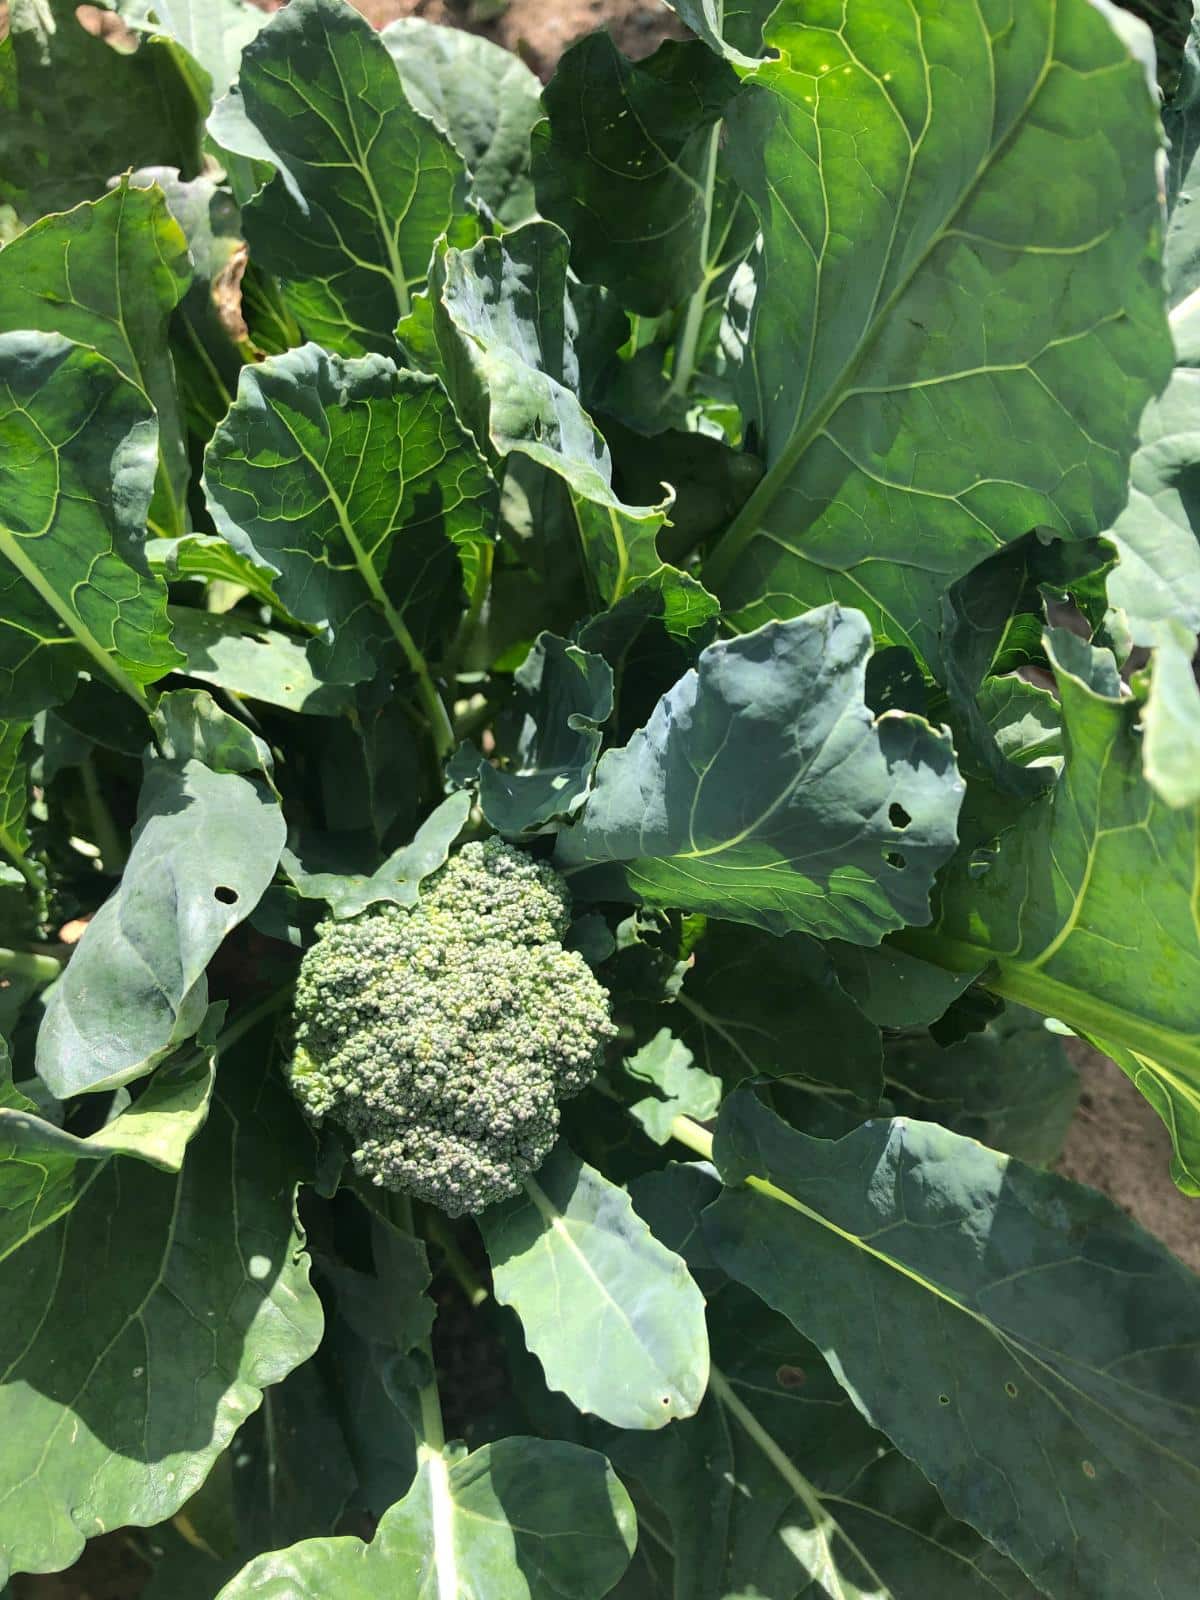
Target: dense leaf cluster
x,y
753,489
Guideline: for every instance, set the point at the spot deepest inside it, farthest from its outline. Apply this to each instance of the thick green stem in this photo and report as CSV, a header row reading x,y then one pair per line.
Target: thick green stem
x,y
105,836
823,1522
689,340
23,964
465,635
432,1429
439,1232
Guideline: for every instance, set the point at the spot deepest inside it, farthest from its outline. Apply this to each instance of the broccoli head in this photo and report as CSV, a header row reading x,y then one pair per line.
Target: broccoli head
x,y
442,1039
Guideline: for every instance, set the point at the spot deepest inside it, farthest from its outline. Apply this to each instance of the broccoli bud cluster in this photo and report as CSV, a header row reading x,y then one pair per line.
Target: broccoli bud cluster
x,y
442,1039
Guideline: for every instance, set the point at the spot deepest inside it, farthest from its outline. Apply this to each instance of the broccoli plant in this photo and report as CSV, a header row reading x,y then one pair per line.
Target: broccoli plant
x,y
592,677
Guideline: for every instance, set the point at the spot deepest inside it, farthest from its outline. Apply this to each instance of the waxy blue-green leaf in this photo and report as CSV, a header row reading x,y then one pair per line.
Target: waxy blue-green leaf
x,y
564,696
684,1089
894,989
522,1519
398,880
364,185
244,658
1027,1345
778,1486
504,327
1010,1085
135,987
213,32
754,1005
483,97
78,453
355,486
189,725
612,1315
75,112
109,274
1090,891
958,315
140,1332
763,791
622,164
44,1170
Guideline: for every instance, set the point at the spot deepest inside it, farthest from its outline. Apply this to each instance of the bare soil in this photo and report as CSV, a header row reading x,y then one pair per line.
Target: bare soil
x,y
540,30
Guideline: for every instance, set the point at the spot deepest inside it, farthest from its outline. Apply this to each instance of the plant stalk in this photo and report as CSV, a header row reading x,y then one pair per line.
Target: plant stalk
x,y
685,353
440,1233
24,964
112,851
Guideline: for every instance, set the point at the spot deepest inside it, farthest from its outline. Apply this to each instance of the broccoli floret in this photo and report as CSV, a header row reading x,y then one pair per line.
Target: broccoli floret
x,y
442,1039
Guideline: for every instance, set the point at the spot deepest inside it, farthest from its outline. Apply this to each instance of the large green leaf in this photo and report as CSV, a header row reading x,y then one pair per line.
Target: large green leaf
x,y
78,449
140,1331
757,1006
1024,1342
622,163
958,316
74,112
1010,1085
44,1170
355,486
504,327
762,790
612,1315
109,274
213,32
14,793
522,1519
778,1486
564,695
1091,890
364,185
135,987
484,98
245,658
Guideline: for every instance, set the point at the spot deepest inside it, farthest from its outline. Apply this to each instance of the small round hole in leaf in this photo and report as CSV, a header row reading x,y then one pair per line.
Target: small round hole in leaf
x,y
791,1377
895,859
226,895
943,1399
897,816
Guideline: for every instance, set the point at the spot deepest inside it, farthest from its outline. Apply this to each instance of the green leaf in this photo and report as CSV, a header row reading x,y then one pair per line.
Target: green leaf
x,y
1092,889
60,145
135,987
563,698
621,165
894,989
205,556
733,28
614,1318
935,363
1157,579
778,1486
44,1170
526,1519
14,793
190,726
364,185
245,658
77,466
484,98
141,1331
685,1090
213,32
400,877
1171,719
109,274
763,791
1030,1348
504,327
754,1005
353,484
211,339
1010,1086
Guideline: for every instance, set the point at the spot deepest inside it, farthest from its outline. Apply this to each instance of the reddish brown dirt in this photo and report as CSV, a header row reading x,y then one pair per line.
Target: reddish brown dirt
x,y
540,30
